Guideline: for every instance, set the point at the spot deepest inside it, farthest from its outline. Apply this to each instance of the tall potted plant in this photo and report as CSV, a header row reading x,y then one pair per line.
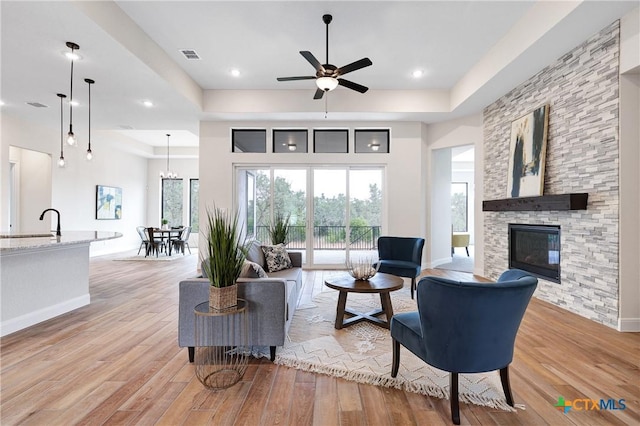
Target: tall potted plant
x,y
226,249
279,231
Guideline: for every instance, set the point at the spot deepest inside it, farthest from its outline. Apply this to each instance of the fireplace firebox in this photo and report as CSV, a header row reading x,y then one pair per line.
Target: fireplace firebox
x,y
535,249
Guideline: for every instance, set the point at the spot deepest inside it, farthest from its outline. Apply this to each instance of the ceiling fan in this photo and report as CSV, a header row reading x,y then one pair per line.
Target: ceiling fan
x,y
328,76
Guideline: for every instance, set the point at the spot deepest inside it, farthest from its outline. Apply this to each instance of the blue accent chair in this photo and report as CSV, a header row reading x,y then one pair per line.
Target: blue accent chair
x,y
465,327
401,256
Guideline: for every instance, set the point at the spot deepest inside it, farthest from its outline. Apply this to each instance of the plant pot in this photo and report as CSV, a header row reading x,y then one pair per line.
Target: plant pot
x,y
224,297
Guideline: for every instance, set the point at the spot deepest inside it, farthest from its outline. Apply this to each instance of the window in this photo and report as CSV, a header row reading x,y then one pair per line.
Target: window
x,y
290,141
172,191
375,141
248,140
459,206
194,199
336,141
251,204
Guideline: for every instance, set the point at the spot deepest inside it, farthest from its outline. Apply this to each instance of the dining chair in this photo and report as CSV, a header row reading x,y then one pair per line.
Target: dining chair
x,y
144,239
464,327
156,244
183,240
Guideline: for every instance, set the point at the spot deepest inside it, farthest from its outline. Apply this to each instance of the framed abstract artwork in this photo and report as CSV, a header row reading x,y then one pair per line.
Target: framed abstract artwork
x,y
527,154
108,202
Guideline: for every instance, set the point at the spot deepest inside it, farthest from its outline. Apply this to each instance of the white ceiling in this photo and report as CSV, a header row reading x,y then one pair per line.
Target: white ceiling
x,y
131,50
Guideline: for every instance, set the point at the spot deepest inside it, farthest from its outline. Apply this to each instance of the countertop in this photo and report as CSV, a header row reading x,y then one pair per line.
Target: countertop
x,y
34,241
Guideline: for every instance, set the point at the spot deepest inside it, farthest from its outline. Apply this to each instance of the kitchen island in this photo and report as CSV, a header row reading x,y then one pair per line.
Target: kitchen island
x,y
43,276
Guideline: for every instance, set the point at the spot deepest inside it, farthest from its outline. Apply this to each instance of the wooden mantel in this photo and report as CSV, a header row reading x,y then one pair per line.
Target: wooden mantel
x,y
574,201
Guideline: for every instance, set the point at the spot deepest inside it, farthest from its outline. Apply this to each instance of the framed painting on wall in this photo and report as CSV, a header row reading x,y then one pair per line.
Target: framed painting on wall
x,y
108,202
527,154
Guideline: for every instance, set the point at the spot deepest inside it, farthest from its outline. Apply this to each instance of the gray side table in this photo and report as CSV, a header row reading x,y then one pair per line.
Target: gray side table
x,y
221,347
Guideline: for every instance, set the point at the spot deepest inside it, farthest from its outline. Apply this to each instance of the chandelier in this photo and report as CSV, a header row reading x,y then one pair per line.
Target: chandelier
x,y
168,174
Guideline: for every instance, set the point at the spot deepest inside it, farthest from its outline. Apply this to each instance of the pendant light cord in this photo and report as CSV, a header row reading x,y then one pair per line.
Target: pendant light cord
x,y
61,127
71,95
168,171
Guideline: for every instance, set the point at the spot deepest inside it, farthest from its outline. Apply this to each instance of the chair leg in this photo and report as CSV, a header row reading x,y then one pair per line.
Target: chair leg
x,y
272,350
192,351
413,287
188,248
504,378
395,364
467,249
453,398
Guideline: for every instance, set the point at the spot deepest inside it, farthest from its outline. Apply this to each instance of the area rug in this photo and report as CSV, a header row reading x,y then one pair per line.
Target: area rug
x,y
362,352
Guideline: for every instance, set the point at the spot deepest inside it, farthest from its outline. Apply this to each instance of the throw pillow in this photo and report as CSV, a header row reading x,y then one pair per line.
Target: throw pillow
x,y
252,270
276,258
255,253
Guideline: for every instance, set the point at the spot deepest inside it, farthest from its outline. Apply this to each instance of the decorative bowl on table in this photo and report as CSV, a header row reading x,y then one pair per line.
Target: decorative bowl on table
x,y
362,269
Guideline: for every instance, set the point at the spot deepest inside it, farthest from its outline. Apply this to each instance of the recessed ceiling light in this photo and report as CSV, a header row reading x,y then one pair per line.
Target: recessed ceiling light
x,y
417,73
148,104
235,72
1,103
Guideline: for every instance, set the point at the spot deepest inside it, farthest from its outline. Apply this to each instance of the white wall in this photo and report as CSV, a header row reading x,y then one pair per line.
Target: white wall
x,y
73,190
440,241
404,184
629,297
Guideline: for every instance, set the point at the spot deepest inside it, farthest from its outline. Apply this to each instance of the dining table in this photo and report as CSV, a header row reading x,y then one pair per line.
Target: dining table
x,y
168,235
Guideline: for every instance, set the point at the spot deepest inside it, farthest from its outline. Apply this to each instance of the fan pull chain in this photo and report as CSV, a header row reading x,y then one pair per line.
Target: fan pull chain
x,y
326,108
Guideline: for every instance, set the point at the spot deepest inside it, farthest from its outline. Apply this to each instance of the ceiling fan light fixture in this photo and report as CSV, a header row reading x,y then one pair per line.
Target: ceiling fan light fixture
x,y
327,83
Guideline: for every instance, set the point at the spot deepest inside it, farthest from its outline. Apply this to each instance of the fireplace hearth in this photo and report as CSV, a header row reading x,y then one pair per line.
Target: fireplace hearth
x,y
535,249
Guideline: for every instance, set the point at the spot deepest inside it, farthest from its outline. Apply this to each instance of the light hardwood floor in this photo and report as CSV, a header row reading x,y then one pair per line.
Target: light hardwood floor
x,y
117,361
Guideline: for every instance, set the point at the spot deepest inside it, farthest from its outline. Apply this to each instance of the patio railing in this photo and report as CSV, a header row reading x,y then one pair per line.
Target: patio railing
x,y
328,237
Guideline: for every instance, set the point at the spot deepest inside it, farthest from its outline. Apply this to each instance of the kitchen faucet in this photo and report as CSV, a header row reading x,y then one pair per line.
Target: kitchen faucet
x,y
58,228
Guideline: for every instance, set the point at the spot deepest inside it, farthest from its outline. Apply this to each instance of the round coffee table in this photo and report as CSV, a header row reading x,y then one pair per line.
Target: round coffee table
x,y
381,283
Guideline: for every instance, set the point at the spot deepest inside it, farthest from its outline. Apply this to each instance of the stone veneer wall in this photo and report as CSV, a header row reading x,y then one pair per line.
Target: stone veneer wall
x,y
582,156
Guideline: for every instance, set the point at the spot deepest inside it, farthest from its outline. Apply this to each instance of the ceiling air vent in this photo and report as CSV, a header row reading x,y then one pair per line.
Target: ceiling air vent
x,y
37,105
190,54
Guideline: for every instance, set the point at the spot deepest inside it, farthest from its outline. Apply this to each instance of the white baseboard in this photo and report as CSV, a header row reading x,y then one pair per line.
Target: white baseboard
x,y
629,324
27,320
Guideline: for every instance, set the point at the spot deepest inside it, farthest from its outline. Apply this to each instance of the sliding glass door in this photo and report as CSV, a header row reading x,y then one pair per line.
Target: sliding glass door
x,y
334,213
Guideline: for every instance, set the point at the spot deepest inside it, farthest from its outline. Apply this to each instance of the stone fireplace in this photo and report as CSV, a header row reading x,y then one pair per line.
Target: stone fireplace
x,y
581,89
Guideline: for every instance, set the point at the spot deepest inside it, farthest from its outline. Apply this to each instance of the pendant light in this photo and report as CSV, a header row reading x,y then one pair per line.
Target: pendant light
x,y
168,174
71,137
61,160
89,153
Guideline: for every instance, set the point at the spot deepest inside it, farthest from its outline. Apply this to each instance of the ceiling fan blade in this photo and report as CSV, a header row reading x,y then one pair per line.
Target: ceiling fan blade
x,y
308,77
319,93
312,60
351,85
364,62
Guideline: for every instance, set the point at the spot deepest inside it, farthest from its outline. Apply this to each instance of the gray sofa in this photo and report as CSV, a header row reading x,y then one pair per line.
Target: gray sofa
x,y
271,302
